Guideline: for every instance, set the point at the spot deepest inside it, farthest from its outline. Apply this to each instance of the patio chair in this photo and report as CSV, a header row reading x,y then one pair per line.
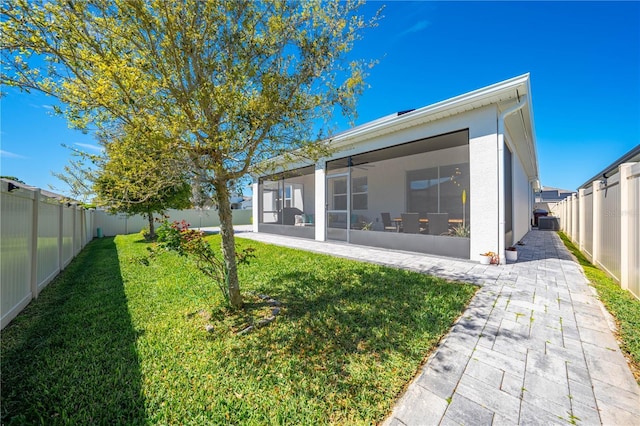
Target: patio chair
x,y
386,222
410,223
438,223
423,222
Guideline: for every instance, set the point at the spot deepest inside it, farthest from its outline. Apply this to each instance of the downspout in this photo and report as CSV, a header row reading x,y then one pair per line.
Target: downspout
x,y
501,202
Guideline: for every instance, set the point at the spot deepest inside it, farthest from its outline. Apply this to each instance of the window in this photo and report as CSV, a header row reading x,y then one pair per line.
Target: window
x,y
422,190
439,190
287,196
359,190
508,190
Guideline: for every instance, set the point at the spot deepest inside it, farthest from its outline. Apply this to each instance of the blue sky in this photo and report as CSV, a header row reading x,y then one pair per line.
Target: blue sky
x,y
584,60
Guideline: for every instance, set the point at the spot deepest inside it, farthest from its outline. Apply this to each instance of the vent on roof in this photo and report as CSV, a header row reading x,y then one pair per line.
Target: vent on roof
x,y
405,111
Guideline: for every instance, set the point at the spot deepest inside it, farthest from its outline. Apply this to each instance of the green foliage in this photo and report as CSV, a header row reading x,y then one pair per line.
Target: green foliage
x,y
178,237
111,341
13,178
460,231
624,307
223,85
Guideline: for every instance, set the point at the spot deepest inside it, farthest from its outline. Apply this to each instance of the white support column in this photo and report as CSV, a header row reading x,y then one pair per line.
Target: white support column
x,y
597,220
256,205
582,226
321,202
34,243
625,225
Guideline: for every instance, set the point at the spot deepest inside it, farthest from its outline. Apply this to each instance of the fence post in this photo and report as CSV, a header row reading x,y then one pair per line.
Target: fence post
x,y
581,219
61,237
574,218
597,220
34,243
625,224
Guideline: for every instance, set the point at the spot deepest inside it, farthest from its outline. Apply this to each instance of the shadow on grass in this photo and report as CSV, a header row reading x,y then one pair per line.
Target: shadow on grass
x,y
70,357
383,307
364,328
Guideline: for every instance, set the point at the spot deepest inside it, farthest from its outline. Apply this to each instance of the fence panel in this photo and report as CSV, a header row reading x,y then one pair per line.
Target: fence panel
x,y
576,218
633,192
110,225
67,235
48,235
609,257
588,220
77,230
120,224
15,250
88,226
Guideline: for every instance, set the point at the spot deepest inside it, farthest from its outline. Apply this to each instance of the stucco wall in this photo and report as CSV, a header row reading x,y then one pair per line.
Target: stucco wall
x,y
522,206
483,169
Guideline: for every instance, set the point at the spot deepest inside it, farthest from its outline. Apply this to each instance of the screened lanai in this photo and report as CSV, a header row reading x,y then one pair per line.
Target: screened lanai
x,y
287,203
412,196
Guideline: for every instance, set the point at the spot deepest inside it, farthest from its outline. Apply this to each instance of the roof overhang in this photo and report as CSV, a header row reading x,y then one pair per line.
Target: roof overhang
x,y
632,156
504,95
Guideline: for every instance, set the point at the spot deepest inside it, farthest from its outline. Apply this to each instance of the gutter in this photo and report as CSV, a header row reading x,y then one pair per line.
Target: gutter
x,y
500,140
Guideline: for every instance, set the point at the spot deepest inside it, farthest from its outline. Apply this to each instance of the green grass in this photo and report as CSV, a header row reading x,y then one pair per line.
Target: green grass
x,y
113,341
624,307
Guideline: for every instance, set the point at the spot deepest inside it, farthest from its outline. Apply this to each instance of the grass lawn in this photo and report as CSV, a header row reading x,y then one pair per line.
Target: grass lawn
x,y
113,341
624,307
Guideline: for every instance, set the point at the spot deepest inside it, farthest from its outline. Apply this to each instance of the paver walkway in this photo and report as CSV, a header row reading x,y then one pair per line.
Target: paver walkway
x,y
535,345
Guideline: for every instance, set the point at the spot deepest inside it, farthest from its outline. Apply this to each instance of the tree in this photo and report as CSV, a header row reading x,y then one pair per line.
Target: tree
x,y
13,178
132,183
231,83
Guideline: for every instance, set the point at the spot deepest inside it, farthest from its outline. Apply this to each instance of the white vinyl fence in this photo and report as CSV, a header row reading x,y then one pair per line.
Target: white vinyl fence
x,y
119,224
39,237
604,222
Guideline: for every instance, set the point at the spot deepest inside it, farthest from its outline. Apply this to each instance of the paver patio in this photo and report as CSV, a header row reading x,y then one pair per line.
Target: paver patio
x,y
535,346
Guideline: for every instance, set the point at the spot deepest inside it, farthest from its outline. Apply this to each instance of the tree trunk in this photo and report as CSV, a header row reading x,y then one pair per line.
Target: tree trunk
x,y
152,229
228,243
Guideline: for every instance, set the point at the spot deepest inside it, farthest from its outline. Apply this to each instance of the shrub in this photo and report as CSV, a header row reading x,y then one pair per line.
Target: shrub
x,y
179,238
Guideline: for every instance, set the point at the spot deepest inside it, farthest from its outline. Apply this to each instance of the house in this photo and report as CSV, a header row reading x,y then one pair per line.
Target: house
x,y
456,178
548,197
552,195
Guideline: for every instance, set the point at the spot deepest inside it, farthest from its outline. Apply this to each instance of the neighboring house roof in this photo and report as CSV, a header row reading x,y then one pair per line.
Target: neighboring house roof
x,y
548,194
504,94
632,156
43,192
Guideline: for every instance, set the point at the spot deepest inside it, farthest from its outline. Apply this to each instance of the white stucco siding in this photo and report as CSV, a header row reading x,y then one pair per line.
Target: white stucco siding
x,y
521,201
